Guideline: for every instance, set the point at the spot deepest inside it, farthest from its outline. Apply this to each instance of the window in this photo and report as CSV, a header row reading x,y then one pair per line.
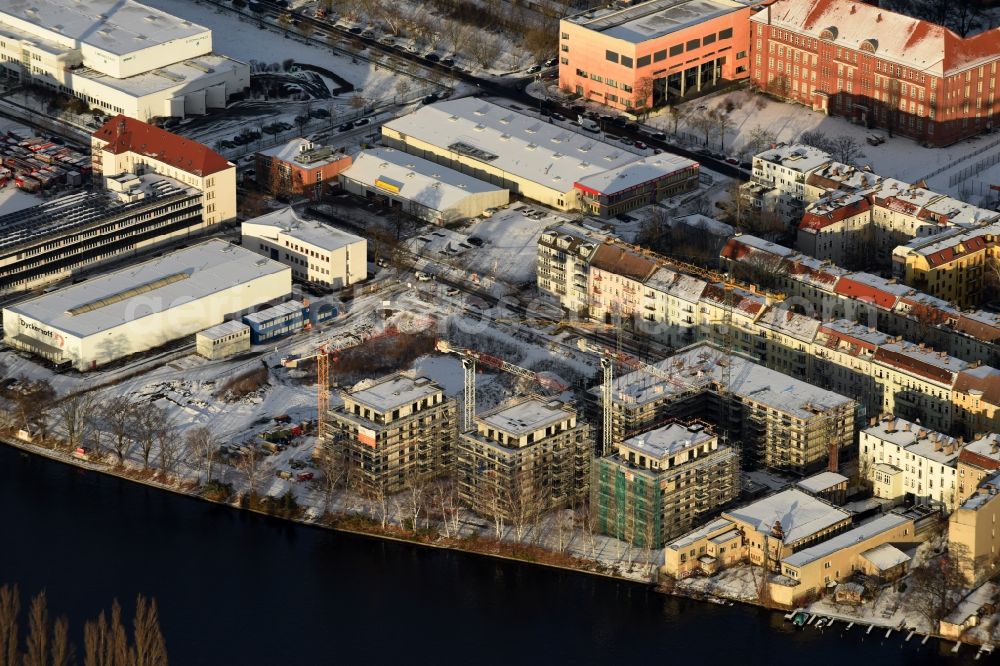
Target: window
x,y
627,62
580,72
565,35
643,61
564,61
564,48
740,55
660,55
676,50
611,56
708,39
692,44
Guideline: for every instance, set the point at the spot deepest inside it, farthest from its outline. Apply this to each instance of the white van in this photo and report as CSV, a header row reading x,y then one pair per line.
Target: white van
x,y
589,124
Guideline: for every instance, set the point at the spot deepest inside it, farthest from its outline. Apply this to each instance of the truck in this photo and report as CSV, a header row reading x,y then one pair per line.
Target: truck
x,y
588,124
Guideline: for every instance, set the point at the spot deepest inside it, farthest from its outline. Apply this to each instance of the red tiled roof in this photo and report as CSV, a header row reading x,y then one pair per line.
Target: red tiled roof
x,y
951,253
988,385
978,460
863,292
622,261
914,365
124,134
977,329
815,222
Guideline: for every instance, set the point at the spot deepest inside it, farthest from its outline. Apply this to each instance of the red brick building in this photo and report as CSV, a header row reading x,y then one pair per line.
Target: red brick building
x,y
298,168
877,68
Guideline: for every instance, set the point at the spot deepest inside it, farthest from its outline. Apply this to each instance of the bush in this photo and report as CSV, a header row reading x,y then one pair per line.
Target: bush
x,y
243,385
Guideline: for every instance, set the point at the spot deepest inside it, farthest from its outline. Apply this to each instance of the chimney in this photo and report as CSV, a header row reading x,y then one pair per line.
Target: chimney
x,y
949,448
994,447
906,426
937,444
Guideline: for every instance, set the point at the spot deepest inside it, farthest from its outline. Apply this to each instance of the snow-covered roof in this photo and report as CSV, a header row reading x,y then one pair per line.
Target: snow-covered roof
x,y
634,174
114,26
796,157
304,153
385,394
842,328
885,557
653,19
427,183
973,602
158,285
703,222
784,320
526,416
526,147
286,221
916,439
852,537
920,360
819,483
679,285
225,328
273,312
667,441
179,75
801,515
685,541
699,367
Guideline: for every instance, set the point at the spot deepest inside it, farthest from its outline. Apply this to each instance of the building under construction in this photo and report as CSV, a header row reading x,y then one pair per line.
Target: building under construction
x,y
660,484
524,458
775,420
396,431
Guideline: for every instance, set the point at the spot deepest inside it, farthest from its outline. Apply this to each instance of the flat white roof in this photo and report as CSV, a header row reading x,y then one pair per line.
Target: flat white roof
x,y
693,536
115,26
801,515
384,395
158,285
225,328
797,157
286,308
526,416
653,19
916,439
886,556
288,222
176,75
636,173
846,539
427,183
523,146
668,440
821,482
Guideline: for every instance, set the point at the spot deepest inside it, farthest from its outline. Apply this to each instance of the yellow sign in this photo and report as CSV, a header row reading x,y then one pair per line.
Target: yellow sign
x,y
385,185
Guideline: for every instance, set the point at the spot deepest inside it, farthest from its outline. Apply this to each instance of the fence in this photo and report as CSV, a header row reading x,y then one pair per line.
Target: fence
x,y
974,170
953,163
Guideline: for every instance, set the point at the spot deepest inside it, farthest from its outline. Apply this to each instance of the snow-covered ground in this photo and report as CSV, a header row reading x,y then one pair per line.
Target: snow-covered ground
x,y
12,199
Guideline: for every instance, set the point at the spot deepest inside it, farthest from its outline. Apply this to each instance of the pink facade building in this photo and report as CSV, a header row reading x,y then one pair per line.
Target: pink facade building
x,y
647,55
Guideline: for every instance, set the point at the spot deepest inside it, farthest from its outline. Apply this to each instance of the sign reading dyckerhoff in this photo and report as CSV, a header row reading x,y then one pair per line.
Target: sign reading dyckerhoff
x,y
56,338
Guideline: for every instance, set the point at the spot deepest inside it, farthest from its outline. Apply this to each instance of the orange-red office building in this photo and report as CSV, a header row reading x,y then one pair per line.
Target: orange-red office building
x,y
649,54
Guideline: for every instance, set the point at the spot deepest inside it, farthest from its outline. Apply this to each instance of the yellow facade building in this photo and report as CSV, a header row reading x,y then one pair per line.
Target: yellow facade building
x,y
972,531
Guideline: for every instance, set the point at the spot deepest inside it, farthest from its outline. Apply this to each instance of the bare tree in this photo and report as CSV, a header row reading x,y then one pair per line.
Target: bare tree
x,y
763,270
485,49
168,446
333,468
846,149
10,609
146,423
644,95
203,445
445,501
305,29
249,462
37,643
403,87
74,414
816,139
106,641
702,121
150,648
722,122
118,416
380,501
524,502
33,400
415,502
937,585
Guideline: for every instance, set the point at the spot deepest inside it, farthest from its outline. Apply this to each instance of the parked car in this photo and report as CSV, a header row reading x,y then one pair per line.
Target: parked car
x,y
659,136
551,62
362,121
489,212
640,145
345,127
304,476
474,240
430,99
356,30
558,116
368,32
732,160
632,127
451,291
283,474
533,69
448,62
619,121
433,57
422,277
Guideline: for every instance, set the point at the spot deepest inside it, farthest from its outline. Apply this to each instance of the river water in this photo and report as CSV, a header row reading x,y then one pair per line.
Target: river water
x,y
240,589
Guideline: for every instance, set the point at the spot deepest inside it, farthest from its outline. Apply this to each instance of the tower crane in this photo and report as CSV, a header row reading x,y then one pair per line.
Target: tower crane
x,y
470,358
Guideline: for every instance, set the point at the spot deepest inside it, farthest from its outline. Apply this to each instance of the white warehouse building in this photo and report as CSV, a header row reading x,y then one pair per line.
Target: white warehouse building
x,y
117,55
316,252
93,323
422,188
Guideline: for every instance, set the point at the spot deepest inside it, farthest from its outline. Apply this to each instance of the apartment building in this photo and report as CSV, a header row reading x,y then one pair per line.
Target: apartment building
x,y
778,180
917,383
978,460
316,252
781,422
972,531
877,68
396,431
901,458
653,53
523,459
126,145
563,269
951,266
661,483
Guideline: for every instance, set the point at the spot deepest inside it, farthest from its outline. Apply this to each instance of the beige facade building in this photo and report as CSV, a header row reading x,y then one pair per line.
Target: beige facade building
x,y
316,252
972,531
224,340
564,255
977,461
126,145
523,459
903,458
396,431
661,483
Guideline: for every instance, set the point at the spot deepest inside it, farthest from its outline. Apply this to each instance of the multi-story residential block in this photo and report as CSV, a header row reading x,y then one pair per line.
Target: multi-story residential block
x,y
316,252
118,56
781,422
973,538
917,383
126,145
299,168
395,431
524,458
661,483
901,458
977,460
952,266
637,184
564,254
837,227
876,67
653,53
976,396
778,180
843,354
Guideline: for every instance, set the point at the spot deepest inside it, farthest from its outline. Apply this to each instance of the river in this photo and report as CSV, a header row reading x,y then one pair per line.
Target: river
x,y
242,589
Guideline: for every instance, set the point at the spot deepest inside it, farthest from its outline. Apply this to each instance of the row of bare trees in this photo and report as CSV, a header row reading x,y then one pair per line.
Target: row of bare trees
x,y
107,641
